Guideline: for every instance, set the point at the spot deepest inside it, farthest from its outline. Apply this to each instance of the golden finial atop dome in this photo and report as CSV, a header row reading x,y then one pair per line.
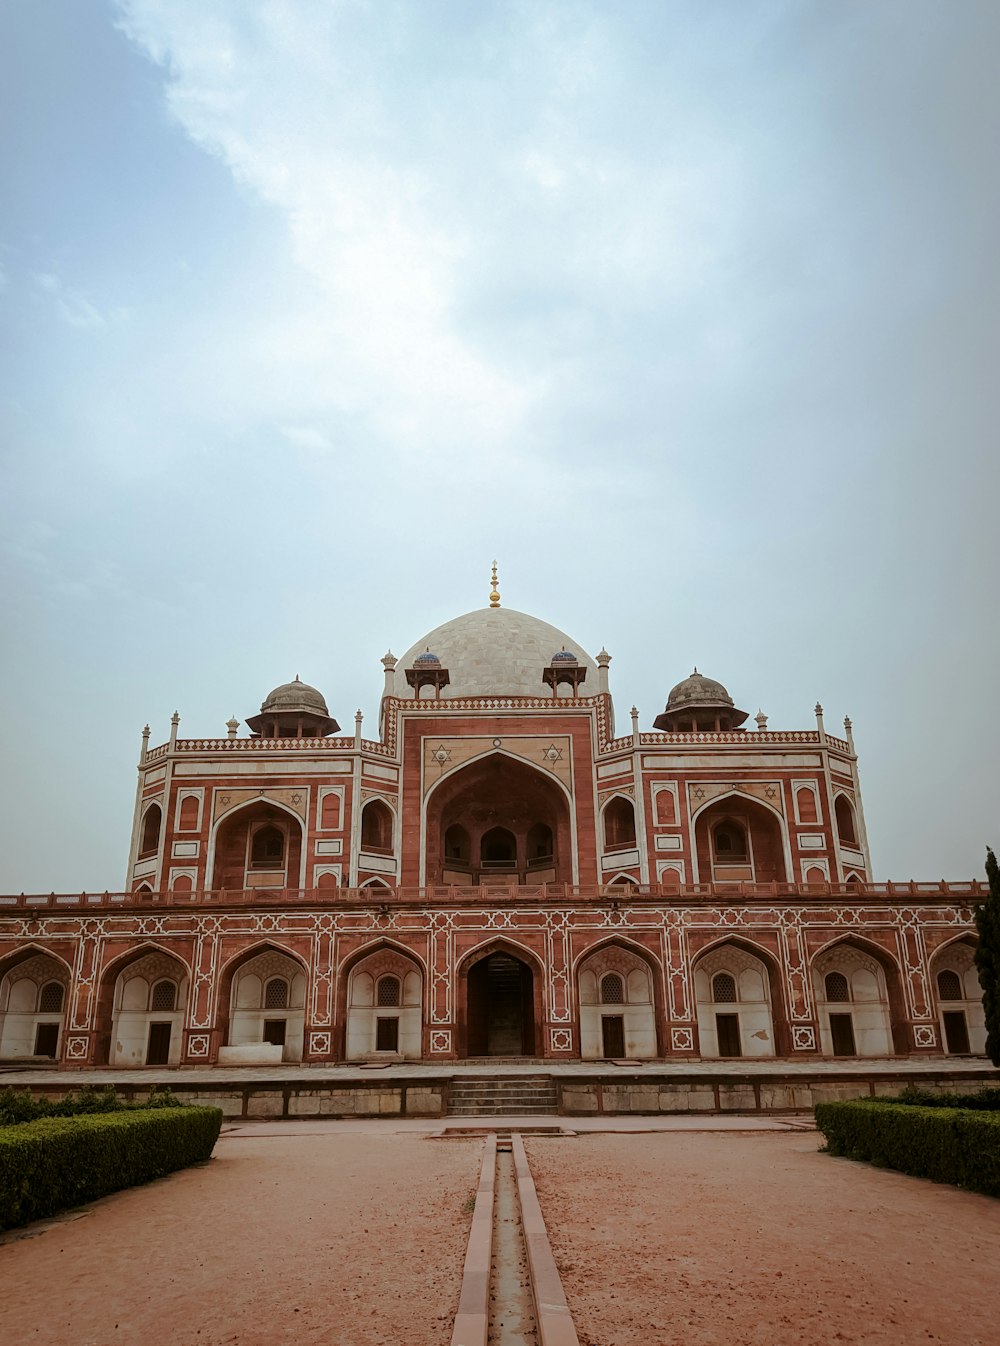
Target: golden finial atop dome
x,y
494,592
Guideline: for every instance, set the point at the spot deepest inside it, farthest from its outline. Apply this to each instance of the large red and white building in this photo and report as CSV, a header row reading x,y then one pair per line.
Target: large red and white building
x,y
498,873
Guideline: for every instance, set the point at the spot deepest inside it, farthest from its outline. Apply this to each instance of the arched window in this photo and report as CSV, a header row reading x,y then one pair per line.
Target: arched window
x,y
612,989
806,802
267,849
619,824
949,985
815,875
151,824
189,814
376,827
330,813
855,879
50,998
498,849
724,989
845,821
276,994
838,990
164,996
456,844
387,992
730,843
539,843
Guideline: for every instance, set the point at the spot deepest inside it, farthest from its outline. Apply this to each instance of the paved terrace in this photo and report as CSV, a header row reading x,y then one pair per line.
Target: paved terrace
x,y
887,1068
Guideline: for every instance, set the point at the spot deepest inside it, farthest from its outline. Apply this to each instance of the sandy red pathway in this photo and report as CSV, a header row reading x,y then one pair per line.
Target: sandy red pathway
x,y
353,1240
761,1240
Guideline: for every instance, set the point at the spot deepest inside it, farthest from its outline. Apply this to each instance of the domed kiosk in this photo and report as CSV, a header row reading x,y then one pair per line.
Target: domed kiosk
x,y
699,704
293,710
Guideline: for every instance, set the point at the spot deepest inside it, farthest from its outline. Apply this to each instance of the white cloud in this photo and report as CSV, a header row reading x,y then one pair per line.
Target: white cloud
x,y
72,306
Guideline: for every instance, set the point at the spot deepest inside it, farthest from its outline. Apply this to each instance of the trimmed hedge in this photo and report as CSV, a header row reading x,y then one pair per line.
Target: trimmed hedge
x,y
956,1145
987,1100
57,1162
19,1105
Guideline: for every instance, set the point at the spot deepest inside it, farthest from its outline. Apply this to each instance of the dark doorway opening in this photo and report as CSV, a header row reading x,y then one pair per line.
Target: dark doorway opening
x,y
842,1033
158,1047
956,1032
613,1035
727,1026
47,1040
387,1035
274,1032
501,1020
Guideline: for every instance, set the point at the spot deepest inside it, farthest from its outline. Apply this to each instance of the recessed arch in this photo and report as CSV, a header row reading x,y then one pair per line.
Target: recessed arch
x,y
846,817
875,1023
618,822
126,1032
497,790
766,830
229,860
958,996
34,994
150,829
251,1030
375,882
371,1026
765,1015
498,752
629,1027
12,960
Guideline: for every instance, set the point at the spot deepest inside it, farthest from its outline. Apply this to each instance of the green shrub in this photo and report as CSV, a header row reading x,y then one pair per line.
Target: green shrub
x,y
17,1105
57,1162
987,1100
956,1145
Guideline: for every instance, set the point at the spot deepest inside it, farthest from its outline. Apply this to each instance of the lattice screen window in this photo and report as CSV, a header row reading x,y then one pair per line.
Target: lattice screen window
x,y
276,994
164,996
724,989
387,993
51,999
950,985
837,989
612,989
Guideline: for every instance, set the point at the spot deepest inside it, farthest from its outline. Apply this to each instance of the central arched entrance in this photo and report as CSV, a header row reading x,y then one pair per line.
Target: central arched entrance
x,y
500,1010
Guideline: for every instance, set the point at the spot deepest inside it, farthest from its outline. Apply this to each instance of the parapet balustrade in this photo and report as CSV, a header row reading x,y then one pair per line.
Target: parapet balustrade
x,y
386,899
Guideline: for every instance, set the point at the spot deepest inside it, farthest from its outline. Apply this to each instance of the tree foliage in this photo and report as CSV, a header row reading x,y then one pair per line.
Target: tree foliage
x,y
988,957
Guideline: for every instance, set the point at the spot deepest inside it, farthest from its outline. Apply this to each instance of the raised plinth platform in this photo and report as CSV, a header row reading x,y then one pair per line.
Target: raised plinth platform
x,y
574,1089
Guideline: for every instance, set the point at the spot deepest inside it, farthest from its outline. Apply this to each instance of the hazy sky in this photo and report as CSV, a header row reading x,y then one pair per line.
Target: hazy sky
x,y
686,311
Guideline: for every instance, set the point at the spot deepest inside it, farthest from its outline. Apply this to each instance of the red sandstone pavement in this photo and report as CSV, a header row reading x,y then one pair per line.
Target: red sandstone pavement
x,y
346,1240
761,1240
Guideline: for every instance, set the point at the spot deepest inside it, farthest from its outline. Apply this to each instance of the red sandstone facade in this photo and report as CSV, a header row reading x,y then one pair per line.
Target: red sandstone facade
x,y
496,874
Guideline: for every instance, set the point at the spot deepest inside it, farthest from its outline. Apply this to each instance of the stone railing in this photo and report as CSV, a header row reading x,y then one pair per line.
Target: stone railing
x,y
231,745
386,899
779,737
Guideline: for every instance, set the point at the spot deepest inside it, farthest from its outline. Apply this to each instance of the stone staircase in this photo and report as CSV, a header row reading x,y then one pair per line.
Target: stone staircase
x,y
503,1096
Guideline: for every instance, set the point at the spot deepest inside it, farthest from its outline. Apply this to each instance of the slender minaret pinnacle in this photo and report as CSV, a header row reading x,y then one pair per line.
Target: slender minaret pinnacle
x,y
494,591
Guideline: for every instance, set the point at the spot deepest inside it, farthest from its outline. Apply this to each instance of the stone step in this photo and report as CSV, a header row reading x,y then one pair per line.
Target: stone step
x,y
500,1110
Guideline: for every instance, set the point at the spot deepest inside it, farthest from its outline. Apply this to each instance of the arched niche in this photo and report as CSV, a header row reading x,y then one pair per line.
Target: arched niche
x,y
855,987
146,994
264,991
618,819
733,991
500,1002
149,831
257,846
847,824
34,990
617,996
498,805
739,839
376,827
384,1011
959,999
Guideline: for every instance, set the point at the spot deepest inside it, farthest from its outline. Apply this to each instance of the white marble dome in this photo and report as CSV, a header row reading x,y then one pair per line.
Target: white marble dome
x,y
495,652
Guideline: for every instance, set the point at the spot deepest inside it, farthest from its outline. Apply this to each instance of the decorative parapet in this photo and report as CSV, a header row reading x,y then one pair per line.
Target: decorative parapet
x,y
388,899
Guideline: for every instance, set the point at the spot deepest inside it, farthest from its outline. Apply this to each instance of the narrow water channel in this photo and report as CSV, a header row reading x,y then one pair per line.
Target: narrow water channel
x,y
512,1316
